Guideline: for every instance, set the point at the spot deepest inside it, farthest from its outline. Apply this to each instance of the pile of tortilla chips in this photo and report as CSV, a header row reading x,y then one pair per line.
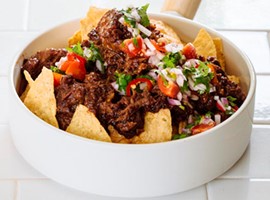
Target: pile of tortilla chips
x,y
39,94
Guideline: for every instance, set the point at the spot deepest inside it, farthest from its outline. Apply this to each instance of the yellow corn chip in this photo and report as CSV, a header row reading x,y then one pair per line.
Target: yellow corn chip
x,y
169,35
204,44
40,98
24,94
157,128
116,137
30,81
84,123
77,37
234,79
219,50
91,20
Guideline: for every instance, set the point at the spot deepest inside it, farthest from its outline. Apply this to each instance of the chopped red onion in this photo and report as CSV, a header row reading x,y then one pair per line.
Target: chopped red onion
x,y
99,65
206,120
149,44
190,119
179,96
160,55
153,74
217,118
150,53
144,30
154,60
221,105
122,20
131,47
134,13
142,86
164,73
174,102
173,47
194,97
224,100
115,85
192,63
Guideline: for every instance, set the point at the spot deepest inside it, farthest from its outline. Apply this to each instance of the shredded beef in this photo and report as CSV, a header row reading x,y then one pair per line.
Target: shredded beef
x,y
41,59
69,94
127,114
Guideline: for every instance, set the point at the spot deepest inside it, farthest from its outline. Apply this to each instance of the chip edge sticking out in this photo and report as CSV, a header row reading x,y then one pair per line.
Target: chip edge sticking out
x,y
85,124
219,50
40,98
204,44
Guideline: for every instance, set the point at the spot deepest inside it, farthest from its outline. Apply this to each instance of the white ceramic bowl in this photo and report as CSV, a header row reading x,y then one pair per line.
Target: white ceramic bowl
x,y
132,170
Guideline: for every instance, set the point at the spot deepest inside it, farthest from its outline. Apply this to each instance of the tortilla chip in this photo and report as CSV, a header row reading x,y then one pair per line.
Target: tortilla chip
x,y
91,20
40,98
77,37
84,123
204,44
234,79
24,94
219,49
116,137
169,34
157,128
30,82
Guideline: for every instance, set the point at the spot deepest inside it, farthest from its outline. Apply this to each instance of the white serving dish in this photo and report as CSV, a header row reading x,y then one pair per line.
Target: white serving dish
x,y
122,170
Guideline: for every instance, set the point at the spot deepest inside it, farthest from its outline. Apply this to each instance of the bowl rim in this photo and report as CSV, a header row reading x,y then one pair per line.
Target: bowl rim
x,y
249,97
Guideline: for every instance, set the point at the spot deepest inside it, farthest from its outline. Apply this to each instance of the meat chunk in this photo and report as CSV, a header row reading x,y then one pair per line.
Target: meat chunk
x,y
41,59
69,94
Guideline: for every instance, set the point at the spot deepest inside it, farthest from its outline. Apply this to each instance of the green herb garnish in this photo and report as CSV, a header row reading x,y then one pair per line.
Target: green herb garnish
x,y
56,70
171,60
143,14
122,80
76,49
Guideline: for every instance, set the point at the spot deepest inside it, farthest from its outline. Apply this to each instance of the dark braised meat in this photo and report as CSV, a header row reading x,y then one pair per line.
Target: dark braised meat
x,y
127,114
109,36
229,88
69,94
41,59
109,31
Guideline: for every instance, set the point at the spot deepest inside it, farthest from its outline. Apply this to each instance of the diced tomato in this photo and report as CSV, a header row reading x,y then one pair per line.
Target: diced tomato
x,y
159,46
136,82
170,88
77,70
57,78
132,46
201,128
189,51
74,66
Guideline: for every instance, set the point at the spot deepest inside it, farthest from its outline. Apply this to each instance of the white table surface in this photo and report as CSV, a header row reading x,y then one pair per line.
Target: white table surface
x,y
245,22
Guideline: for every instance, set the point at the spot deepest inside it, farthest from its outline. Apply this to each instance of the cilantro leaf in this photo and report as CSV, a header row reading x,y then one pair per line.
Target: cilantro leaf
x,y
144,17
179,136
56,70
94,54
122,80
231,100
171,60
76,49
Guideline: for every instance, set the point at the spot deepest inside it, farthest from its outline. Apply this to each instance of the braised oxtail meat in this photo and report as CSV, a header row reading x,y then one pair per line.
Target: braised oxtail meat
x,y
46,58
69,94
127,114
